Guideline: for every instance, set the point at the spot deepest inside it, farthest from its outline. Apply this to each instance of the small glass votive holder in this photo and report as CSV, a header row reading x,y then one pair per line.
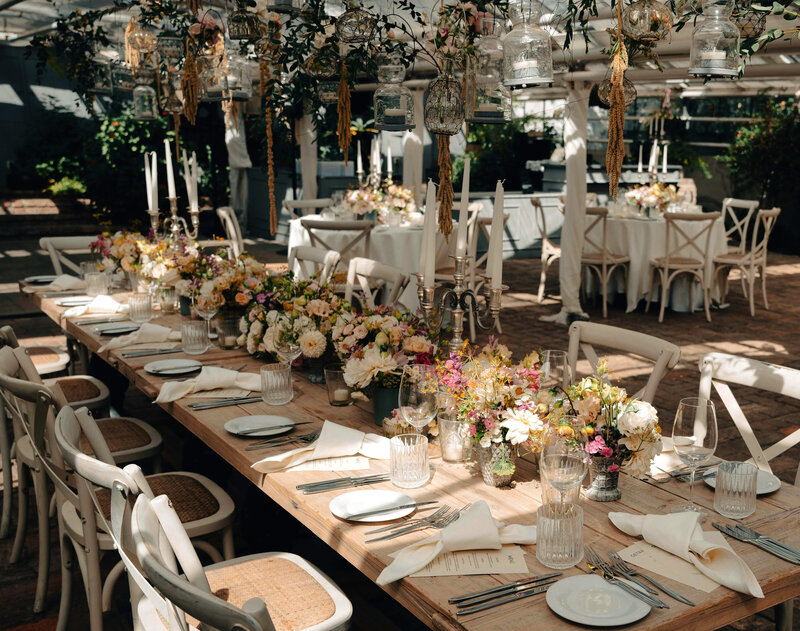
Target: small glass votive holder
x,y
167,299
559,535
141,308
735,492
454,439
88,267
276,384
227,331
338,390
409,464
194,336
96,283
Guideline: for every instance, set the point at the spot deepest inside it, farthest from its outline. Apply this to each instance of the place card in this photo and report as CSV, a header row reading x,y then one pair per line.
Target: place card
x,y
507,560
220,393
662,563
345,463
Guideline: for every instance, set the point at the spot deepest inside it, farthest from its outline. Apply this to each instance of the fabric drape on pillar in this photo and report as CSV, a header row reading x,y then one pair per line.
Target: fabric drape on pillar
x,y
569,268
413,145
239,162
307,139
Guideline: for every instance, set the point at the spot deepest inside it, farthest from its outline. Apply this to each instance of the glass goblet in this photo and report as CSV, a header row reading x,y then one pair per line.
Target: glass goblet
x,y
555,370
418,399
694,434
206,308
564,460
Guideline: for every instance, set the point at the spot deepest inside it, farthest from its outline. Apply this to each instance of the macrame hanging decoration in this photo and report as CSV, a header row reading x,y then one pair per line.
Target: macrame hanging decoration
x,y
132,57
265,76
445,193
615,151
343,129
190,84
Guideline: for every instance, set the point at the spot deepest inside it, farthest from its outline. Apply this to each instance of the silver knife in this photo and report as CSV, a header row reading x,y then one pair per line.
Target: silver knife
x,y
776,542
222,404
499,588
774,550
345,486
146,353
255,430
309,485
507,592
103,321
667,590
388,509
519,595
62,294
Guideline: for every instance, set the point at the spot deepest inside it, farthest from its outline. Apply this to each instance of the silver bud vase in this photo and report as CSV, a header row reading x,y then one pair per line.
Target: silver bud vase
x,y
497,463
605,483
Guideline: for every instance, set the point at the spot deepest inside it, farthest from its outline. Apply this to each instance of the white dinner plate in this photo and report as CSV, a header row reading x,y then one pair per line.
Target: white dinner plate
x,y
40,280
268,421
116,328
74,301
171,367
356,502
588,599
765,482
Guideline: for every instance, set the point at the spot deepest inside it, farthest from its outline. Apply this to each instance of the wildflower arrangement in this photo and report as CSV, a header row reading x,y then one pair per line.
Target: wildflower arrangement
x,y
117,250
361,201
656,196
375,346
397,200
223,282
154,260
453,36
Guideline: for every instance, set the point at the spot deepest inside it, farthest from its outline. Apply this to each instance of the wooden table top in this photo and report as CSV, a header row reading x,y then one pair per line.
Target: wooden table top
x,y
777,514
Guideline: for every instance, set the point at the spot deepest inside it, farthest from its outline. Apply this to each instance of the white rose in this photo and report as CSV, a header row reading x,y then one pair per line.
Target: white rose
x,y
639,417
312,343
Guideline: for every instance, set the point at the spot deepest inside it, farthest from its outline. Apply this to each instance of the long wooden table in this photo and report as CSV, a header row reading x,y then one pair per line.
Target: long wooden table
x,y
777,514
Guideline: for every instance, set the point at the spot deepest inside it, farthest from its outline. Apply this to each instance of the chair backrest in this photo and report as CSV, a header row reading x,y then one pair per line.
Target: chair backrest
x,y
591,201
681,243
722,369
762,228
541,222
301,207
359,229
161,546
58,247
311,261
687,190
366,272
8,337
591,243
230,223
664,355
736,214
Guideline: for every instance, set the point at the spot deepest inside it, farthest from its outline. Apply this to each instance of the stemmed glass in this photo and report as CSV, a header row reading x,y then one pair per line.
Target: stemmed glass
x,y
555,370
419,395
286,343
564,460
206,307
694,434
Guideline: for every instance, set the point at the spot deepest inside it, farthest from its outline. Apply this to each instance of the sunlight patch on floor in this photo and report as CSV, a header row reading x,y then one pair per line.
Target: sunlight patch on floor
x,y
16,254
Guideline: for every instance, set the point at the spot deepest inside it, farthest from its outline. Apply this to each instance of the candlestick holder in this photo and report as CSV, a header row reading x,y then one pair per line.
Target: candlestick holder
x,y
174,225
458,300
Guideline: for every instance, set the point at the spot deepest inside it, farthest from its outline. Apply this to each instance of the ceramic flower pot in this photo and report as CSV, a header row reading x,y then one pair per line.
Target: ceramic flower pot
x,y
605,483
497,463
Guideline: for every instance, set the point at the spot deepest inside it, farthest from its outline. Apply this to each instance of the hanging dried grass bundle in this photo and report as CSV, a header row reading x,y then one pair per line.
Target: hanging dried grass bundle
x,y
190,84
615,151
194,6
131,54
445,193
343,129
176,121
265,75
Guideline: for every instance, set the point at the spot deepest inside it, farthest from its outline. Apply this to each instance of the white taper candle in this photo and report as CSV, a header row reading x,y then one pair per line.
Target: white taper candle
x,y
428,248
495,259
461,235
170,175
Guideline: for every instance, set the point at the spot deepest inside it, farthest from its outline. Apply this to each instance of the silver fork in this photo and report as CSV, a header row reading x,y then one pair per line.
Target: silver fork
x,y
440,522
305,438
595,561
618,563
411,522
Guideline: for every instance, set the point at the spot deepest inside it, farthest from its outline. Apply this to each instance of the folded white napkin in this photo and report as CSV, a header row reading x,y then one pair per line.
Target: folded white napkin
x,y
476,529
100,304
334,441
210,378
147,333
65,282
680,534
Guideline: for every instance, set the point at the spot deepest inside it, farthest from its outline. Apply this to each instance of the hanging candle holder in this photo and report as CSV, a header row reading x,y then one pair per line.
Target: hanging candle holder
x,y
715,42
487,99
284,6
122,78
750,23
170,91
527,54
213,80
103,82
393,102
356,25
141,40
444,105
646,20
239,78
170,47
322,67
628,90
145,101
242,24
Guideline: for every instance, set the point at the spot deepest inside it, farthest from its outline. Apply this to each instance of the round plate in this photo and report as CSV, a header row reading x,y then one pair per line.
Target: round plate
x,y
765,482
40,280
116,328
267,421
170,367
356,502
590,600
75,301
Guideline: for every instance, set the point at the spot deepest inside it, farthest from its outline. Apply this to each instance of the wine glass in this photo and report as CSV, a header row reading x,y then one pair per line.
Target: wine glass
x,y
287,345
206,307
419,395
694,434
564,460
555,372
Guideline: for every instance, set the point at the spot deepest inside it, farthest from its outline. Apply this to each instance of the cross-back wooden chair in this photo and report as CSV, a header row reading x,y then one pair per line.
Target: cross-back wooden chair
x,y
360,231
736,215
550,251
311,260
233,233
749,262
687,190
59,247
596,256
298,208
685,253
374,278
584,336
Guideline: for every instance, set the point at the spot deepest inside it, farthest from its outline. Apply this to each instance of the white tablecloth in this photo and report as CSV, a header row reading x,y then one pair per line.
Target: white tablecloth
x,y
397,246
643,240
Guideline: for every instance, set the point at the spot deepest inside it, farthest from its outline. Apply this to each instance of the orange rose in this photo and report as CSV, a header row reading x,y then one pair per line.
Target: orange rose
x,y
242,299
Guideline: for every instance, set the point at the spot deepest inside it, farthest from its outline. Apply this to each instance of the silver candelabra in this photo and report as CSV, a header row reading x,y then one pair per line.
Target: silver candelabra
x,y
458,299
174,225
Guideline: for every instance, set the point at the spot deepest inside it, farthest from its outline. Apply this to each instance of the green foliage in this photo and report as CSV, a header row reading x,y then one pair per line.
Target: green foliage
x,y
66,186
504,465
681,152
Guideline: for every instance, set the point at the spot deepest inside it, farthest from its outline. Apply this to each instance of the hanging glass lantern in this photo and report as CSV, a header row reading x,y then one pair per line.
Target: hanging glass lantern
x,y
322,67
171,92
487,99
444,106
328,92
527,55
243,25
145,101
284,6
646,20
213,80
393,102
355,26
715,42
239,78
141,40
628,89
102,77
170,47
122,78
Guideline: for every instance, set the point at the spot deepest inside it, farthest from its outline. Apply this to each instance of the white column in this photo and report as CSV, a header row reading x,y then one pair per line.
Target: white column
x,y
569,268
307,139
239,162
413,145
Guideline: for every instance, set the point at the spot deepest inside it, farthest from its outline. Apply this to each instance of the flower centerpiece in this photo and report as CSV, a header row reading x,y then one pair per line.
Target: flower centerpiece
x,y
224,282
656,196
497,399
118,250
363,201
397,204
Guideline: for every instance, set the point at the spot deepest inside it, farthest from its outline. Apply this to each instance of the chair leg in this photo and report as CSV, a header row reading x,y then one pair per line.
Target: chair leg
x,y
650,290
43,515
227,543
664,293
22,512
783,616
110,583
94,587
691,296
604,281
8,486
751,283
763,273
707,302
67,561
542,280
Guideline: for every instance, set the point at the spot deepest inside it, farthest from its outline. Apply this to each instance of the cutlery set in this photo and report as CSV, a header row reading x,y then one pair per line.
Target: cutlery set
x,y
440,519
342,483
221,403
388,509
494,596
766,543
283,440
255,430
146,352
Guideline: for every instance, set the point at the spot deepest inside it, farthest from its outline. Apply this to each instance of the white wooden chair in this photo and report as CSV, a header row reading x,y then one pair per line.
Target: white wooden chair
x,y
723,370
360,231
233,233
736,215
374,278
203,508
750,262
311,260
550,251
596,256
298,208
584,336
279,582
687,190
59,247
685,254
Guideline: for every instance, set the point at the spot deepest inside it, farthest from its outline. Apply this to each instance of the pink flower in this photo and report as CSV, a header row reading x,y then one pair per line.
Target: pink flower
x,y
613,468
489,422
596,446
472,430
607,452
